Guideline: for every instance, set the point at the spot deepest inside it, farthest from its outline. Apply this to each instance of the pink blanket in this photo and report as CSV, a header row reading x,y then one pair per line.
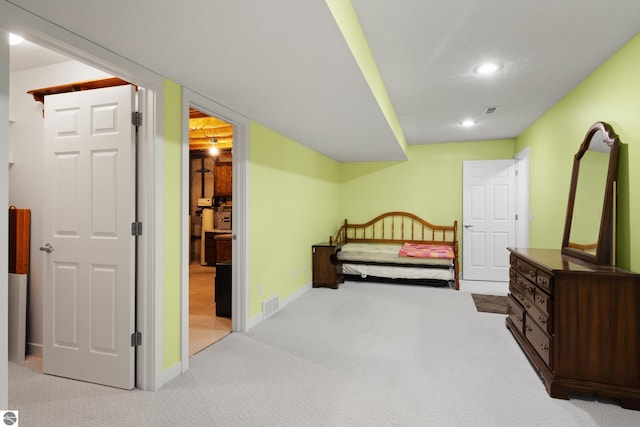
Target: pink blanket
x,y
418,250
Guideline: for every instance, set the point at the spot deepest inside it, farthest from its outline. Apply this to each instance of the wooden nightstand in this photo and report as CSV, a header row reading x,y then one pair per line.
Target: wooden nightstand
x,y
326,270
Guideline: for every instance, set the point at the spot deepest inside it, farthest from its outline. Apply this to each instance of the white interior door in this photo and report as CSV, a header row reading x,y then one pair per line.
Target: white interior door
x,y
88,294
488,213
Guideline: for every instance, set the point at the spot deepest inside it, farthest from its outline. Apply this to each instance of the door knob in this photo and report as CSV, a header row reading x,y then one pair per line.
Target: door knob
x,y
468,226
47,248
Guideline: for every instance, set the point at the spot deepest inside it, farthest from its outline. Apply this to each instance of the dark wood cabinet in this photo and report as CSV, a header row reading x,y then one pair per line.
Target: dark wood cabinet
x,y
223,179
217,247
222,291
210,256
223,247
578,323
326,269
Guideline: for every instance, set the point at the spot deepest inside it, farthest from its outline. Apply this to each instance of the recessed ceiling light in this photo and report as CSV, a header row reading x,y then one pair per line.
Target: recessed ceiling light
x,y
487,68
15,39
467,123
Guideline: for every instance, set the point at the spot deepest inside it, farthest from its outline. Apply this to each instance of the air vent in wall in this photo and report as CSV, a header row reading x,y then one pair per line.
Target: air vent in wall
x,y
270,306
490,110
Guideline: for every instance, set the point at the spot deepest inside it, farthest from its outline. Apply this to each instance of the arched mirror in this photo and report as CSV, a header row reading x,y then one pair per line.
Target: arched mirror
x,y
588,231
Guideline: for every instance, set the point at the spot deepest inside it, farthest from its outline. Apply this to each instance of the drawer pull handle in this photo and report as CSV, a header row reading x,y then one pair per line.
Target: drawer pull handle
x,y
527,305
539,300
529,328
542,320
519,318
531,274
529,289
544,347
544,280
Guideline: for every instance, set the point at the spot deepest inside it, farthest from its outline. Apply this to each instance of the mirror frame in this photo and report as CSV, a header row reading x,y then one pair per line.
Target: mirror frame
x,y
604,250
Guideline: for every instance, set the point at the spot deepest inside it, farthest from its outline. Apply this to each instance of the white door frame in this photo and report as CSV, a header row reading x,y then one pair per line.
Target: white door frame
x,y
240,213
150,278
4,216
523,211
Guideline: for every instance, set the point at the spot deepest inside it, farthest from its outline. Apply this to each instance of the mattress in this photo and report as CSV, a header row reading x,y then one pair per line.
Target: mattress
x,y
398,272
384,253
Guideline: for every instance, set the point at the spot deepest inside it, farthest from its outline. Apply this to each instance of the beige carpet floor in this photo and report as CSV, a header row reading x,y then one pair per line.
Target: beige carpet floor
x,y
363,355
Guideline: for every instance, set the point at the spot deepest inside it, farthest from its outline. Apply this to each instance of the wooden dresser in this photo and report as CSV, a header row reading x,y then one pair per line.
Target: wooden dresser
x,y
578,323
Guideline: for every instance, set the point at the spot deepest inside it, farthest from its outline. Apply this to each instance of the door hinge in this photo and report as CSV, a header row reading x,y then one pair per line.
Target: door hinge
x,y
136,339
136,118
136,229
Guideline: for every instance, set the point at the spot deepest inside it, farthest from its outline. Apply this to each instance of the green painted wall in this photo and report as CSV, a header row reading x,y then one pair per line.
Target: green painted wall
x,y
610,94
171,213
349,24
293,204
299,197
428,184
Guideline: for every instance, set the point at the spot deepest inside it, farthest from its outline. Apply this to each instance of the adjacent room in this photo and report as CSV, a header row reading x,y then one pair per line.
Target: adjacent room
x,y
210,209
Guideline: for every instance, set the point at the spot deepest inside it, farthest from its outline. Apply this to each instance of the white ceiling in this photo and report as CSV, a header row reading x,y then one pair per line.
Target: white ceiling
x,y
285,64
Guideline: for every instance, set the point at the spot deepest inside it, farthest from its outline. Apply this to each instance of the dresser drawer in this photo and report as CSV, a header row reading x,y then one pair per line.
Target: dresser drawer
x,y
543,301
521,282
544,280
541,342
517,294
541,318
524,268
516,313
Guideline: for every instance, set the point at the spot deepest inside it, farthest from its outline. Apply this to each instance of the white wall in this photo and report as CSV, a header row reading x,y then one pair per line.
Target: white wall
x,y
26,174
4,234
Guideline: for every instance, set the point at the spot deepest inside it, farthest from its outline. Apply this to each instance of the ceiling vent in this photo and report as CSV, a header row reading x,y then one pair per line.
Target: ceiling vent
x,y
490,110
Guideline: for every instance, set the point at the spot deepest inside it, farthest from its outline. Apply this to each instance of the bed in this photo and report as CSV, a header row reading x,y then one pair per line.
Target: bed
x,y
399,247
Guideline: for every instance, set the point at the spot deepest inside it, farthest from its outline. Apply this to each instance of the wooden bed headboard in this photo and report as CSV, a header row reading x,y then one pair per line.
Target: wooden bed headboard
x,y
394,227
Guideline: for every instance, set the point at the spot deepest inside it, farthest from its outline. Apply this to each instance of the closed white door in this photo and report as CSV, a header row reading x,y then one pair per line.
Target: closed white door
x,y
488,214
89,192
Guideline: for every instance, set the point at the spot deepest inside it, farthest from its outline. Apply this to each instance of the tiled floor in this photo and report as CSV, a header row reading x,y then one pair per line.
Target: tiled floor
x,y
205,327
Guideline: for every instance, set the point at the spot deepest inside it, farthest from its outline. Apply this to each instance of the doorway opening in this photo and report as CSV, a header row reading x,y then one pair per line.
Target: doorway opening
x,y
35,66
210,229
39,79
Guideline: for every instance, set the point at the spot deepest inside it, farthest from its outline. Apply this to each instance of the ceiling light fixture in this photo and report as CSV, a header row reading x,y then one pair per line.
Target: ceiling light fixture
x,y
467,123
213,150
487,68
15,39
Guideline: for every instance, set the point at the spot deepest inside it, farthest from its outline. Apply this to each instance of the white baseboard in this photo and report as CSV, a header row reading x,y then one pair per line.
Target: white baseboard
x,y
253,321
480,287
170,374
34,349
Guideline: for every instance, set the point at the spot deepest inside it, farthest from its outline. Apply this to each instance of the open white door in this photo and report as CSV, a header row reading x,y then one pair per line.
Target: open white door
x,y
88,296
488,211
